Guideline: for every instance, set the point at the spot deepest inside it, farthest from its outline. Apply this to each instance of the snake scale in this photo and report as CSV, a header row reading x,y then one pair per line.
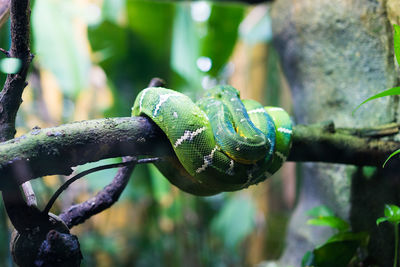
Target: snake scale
x,y
221,143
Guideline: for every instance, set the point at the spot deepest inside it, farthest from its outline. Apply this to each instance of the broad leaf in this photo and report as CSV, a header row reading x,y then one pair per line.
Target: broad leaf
x,y
331,254
203,40
349,236
389,92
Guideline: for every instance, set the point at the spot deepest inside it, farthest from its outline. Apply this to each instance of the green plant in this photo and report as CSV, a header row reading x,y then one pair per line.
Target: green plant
x,y
340,249
391,91
392,215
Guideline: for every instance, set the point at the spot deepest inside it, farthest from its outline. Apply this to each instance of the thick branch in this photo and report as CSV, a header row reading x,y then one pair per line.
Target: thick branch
x,y
320,143
55,150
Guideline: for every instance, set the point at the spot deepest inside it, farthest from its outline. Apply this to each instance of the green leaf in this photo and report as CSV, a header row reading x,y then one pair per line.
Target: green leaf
x,y
320,211
362,237
308,259
235,221
204,35
392,213
331,221
10,65
396,39
388,92
332,254
391,155
381,220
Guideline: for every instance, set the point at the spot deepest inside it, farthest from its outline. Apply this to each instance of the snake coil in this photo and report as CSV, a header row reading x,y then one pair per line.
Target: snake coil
x,y
221,143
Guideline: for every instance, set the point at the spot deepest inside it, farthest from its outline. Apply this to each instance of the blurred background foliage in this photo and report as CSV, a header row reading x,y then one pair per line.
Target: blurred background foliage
x,y
92,57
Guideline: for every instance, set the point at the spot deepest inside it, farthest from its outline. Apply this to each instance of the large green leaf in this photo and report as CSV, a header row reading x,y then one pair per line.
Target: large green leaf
x,y
332,254
132,53
337,251
204,35
58,48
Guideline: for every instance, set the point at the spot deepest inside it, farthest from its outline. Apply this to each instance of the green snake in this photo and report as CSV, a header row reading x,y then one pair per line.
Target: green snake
x,y
221,143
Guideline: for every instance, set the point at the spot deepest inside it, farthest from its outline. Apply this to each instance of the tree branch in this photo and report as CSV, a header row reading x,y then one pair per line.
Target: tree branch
x,y
104,199
10,96
55,150
21,214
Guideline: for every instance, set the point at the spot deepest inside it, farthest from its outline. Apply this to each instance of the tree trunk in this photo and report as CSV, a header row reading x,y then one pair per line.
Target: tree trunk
x,y
335,54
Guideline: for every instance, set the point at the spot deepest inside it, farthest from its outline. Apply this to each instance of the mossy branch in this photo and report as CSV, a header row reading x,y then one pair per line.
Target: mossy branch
x,y
56,150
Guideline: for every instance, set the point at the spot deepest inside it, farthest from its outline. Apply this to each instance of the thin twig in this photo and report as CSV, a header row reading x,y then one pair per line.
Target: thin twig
x,y
5,52
104,199
86,172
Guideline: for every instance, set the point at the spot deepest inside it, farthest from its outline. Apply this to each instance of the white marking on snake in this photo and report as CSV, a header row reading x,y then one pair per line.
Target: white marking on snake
x,y
141,99
207,161
175,115
189,135
275,109
231,166
284,130
233,99
163,99
242,120
257,110
280,155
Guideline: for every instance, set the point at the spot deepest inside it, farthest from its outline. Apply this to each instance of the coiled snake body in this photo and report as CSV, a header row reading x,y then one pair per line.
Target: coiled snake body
x,y
222,143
